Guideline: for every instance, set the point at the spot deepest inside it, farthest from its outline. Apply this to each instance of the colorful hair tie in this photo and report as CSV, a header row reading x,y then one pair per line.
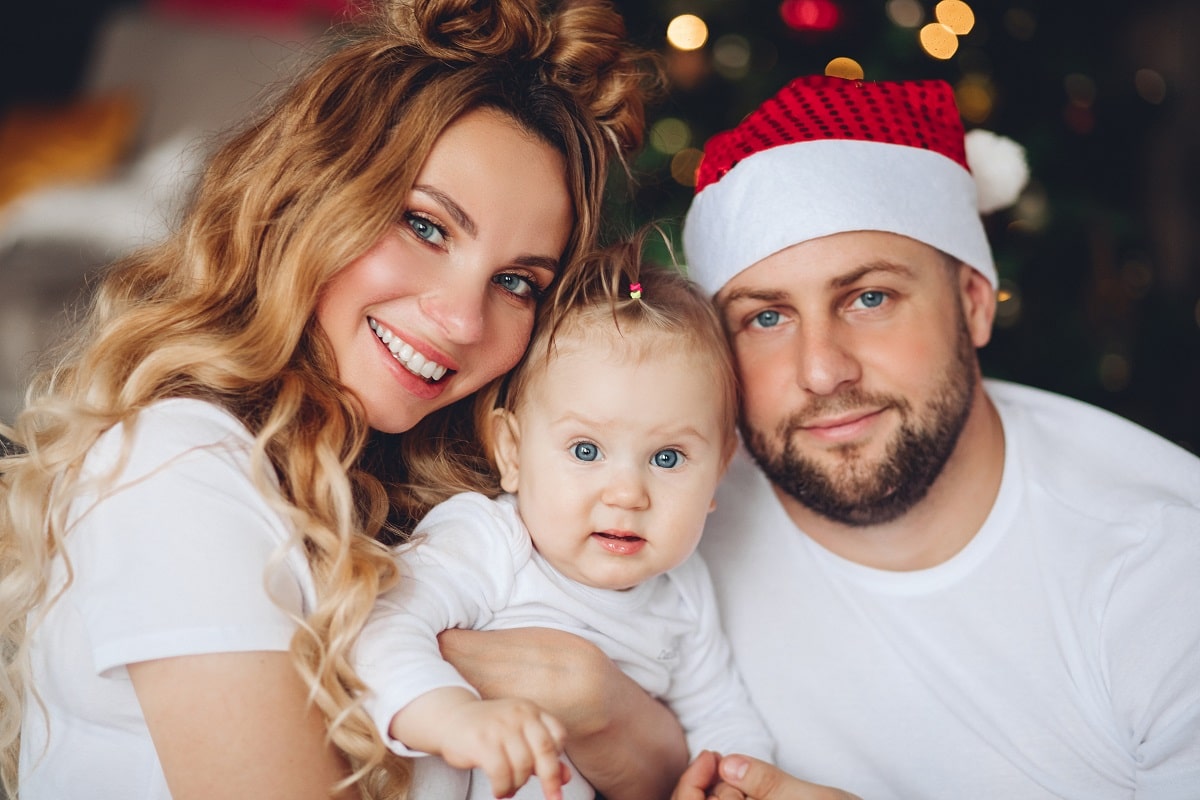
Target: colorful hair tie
x,y
635,291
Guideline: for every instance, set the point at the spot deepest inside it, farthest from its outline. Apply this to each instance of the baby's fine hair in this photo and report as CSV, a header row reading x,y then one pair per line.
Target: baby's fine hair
x,y
654,311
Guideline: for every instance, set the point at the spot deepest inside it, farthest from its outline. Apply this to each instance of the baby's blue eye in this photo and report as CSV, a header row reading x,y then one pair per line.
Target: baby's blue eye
x,y
872,299
767,319
586,451
668,459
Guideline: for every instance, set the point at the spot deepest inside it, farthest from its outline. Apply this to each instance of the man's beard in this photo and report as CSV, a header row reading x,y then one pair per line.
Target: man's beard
x,y
858,492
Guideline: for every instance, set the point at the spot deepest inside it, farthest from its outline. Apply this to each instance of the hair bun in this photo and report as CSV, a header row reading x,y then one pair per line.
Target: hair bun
x,y
471,30
591,57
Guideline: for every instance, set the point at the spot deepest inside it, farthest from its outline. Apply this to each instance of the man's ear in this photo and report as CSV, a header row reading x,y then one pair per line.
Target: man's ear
x,y
506,434
978,304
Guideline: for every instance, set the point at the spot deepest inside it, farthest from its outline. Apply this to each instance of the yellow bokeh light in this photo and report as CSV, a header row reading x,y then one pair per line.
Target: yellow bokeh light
x,y
1008,304
842,67
687,32
670,135
939,41
955,15
684,165
975,97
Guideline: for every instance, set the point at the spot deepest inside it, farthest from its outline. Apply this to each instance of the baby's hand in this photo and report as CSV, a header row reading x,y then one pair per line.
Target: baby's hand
x,y
510,740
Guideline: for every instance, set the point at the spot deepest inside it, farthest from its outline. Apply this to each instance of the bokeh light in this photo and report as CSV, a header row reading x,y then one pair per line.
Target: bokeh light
x,y
976,98
938,41
1080,88
905,13
819,16
843,67
1008,304
955,15
731,56
1150,85
687,32
669,135
1020,23
684,165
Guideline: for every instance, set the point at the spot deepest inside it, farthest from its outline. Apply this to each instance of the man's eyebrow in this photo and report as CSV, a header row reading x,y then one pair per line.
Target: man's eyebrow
x,y
854,276
451,207
752,293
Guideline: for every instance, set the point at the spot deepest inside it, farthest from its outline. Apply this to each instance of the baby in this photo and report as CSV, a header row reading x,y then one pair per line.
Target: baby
x,y
609,439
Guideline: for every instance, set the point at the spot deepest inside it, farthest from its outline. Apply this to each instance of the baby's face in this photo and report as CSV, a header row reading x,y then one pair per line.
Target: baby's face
x,y
615,459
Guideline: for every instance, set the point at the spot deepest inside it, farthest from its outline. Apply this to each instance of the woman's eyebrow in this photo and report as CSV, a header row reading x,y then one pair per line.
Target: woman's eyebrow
x,y
451,207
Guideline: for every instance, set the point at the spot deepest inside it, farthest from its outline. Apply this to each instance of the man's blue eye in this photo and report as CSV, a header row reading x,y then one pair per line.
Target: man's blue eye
x,y
668,459
767,319
586,451
872,299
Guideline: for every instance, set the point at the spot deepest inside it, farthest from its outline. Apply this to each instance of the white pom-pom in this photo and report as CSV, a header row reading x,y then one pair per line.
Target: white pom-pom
x,y
999,167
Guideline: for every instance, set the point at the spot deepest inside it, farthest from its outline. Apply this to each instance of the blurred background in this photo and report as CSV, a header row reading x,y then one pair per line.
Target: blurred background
x,y
103,104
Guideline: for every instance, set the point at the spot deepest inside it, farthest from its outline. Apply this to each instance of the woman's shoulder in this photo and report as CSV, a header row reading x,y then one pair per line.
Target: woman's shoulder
x,y
166,431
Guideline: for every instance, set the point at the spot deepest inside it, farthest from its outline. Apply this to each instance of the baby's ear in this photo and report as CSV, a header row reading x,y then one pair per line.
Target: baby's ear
x,y
506,433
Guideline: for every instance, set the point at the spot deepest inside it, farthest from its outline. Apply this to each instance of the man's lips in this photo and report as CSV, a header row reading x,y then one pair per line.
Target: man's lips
x,y
622,543
843,427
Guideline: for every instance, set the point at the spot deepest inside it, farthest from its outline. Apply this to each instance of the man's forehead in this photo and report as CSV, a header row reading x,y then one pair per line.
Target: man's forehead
x,y
833,262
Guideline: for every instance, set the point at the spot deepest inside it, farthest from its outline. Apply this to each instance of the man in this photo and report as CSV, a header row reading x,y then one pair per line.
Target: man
x,y
936,586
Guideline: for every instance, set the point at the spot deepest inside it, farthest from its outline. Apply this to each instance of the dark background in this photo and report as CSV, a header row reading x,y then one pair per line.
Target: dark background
x,y
1100,260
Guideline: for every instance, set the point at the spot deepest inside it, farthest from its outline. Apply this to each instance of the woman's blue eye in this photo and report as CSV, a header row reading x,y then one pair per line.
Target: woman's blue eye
x,y
767,319
519,285
872,299
668,459
586,451
424,228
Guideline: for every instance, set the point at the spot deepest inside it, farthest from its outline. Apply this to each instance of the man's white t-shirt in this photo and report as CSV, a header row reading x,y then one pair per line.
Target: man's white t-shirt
x,y
1056,656
180,555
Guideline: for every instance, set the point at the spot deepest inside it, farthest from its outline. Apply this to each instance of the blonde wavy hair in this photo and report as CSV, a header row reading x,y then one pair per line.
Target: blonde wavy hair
x,y
224,311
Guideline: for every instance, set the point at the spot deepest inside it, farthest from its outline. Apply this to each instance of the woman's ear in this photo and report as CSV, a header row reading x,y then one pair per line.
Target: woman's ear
x,y
506,434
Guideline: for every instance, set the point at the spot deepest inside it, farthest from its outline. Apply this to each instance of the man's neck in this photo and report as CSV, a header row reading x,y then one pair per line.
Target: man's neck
x,y
938,526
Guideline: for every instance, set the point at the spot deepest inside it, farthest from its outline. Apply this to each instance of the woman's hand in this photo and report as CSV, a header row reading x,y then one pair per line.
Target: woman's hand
x,y
627,744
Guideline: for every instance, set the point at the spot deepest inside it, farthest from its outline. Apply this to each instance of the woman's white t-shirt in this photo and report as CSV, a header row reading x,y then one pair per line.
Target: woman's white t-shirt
x,y
180,555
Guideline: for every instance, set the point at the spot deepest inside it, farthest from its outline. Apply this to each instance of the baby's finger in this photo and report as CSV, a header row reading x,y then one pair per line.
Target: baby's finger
x,y
546,742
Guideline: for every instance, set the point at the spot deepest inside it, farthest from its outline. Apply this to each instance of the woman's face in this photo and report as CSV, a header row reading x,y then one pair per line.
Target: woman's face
x,y
445,301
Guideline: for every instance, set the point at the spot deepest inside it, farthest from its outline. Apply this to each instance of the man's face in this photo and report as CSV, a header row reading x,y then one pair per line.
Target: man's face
x,y
858,367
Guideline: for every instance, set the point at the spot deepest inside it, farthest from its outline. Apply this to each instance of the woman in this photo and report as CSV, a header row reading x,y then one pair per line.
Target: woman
x,y
191,539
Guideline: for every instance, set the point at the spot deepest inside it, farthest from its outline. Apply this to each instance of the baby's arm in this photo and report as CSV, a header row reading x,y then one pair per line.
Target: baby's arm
x,y
509,739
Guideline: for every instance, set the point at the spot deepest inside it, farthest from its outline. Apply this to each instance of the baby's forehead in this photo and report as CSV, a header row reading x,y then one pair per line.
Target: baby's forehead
x,y
631,339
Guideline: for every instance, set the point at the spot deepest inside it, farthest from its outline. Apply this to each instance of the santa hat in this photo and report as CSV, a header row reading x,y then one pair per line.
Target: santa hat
x,y
829,155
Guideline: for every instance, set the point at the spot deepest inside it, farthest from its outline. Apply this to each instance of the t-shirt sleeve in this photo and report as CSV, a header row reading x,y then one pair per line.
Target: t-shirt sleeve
x,y
707,693
458,572
182,555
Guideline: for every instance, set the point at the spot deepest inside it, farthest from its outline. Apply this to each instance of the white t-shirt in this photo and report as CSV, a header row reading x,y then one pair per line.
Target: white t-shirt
x,y
474,566
1056,656
172,559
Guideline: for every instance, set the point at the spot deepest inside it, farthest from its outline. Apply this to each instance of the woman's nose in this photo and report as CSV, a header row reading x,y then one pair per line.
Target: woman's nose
x,y
457,308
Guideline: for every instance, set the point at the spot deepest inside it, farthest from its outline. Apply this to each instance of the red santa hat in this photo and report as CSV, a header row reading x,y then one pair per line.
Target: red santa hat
x,y
829,155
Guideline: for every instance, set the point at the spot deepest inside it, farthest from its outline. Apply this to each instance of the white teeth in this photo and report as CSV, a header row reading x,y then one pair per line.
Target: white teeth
x,y
403,352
